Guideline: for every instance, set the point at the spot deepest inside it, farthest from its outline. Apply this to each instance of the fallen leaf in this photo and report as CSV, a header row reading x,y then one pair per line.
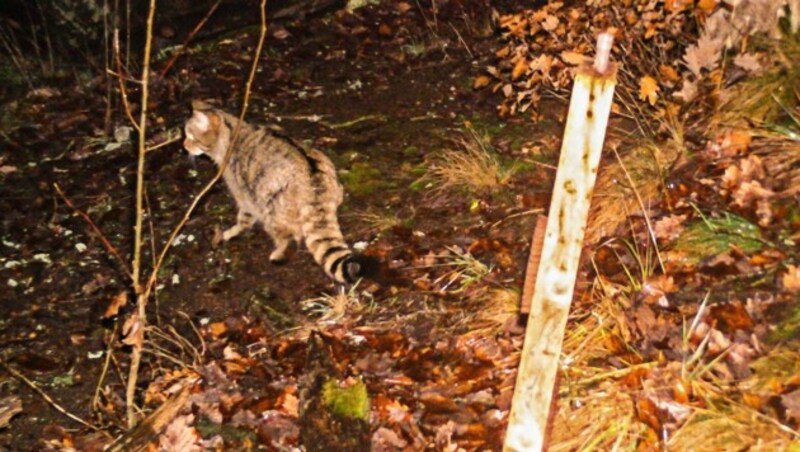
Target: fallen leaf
x,y
688,91
402,7
791,279
132,331
668,73
675,6
9,407
384,30
647,412
749,62
180,436
480,82
648,89
119,300
573,58
791,402
519,69
669,228
387,440
730,317
749,193
706,54
217,329
550,23
708,6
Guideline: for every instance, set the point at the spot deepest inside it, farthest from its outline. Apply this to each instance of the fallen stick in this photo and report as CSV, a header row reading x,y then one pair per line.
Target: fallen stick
x,y
47,398
584,134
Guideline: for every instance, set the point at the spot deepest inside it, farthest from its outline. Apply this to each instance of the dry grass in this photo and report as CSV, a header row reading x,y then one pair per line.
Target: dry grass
x,y
763,99
781,157
598,403
473,167
377,222
495,307
615,199
334,308
728,425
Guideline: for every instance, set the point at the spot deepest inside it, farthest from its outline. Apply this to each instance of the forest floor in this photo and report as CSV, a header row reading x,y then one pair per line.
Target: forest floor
x,y
684,321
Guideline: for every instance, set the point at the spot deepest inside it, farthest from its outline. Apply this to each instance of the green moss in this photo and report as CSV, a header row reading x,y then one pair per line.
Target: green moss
x,y
209,429
411,151
788,327
420,184
363,179
350,402
707,238
780,365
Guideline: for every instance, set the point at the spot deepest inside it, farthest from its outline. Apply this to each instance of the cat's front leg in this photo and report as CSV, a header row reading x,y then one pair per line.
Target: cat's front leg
x,y
244,221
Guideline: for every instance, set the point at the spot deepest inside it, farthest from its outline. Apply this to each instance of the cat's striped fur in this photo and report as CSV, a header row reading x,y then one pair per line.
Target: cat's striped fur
x,y
290,190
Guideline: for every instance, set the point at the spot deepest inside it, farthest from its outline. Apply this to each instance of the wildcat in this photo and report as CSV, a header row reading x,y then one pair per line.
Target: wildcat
x,y
292,191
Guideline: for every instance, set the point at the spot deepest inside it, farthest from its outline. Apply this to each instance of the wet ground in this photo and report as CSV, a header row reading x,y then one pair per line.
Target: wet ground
x,y
381,101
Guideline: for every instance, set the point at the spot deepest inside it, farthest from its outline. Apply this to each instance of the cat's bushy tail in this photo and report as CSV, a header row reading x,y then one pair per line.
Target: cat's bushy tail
x,y
325,242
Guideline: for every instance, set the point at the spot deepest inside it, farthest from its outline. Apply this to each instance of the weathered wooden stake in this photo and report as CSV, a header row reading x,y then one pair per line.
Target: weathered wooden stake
x,y
585,132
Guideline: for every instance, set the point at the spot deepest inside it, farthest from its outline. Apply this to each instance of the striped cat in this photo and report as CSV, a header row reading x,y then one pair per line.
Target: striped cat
x,y
292,191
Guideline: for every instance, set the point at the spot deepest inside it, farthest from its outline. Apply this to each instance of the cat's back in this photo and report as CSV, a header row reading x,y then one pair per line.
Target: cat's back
x,y
268,163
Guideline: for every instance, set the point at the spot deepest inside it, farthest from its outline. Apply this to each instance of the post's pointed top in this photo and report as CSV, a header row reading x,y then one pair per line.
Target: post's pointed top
x,y
604,43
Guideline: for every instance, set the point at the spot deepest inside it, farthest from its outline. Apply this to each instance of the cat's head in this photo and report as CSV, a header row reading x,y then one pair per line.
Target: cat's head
x,y
202,129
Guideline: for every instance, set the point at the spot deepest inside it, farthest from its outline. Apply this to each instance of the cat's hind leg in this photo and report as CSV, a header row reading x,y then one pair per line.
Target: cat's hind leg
x,y
283,245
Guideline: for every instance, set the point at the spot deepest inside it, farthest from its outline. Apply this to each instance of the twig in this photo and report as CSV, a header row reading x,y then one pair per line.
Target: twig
x,y
46,397
109,247
515,215
143,292
189,39
122,91
163,143
463,43
103,373
351,123
141,298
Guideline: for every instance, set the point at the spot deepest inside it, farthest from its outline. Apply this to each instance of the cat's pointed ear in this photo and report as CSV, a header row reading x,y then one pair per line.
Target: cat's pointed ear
x,y
201,120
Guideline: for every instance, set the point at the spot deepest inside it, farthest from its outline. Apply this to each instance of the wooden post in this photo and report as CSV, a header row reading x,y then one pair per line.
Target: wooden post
x,y
585,131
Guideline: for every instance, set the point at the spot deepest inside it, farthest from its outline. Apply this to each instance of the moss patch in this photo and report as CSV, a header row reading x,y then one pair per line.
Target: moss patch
x,y
706,238
349,402
363,179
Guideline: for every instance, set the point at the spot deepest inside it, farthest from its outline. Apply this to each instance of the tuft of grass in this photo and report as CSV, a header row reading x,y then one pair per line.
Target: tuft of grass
x,y
332,308
464,271
472,167
380,221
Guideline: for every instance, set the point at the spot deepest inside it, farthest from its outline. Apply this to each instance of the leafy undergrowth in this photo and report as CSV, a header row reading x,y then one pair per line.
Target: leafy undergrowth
x,y
683,333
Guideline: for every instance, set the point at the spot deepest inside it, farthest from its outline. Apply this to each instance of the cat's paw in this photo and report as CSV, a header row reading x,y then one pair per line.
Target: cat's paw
x,y
283,260
218,238
278,257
